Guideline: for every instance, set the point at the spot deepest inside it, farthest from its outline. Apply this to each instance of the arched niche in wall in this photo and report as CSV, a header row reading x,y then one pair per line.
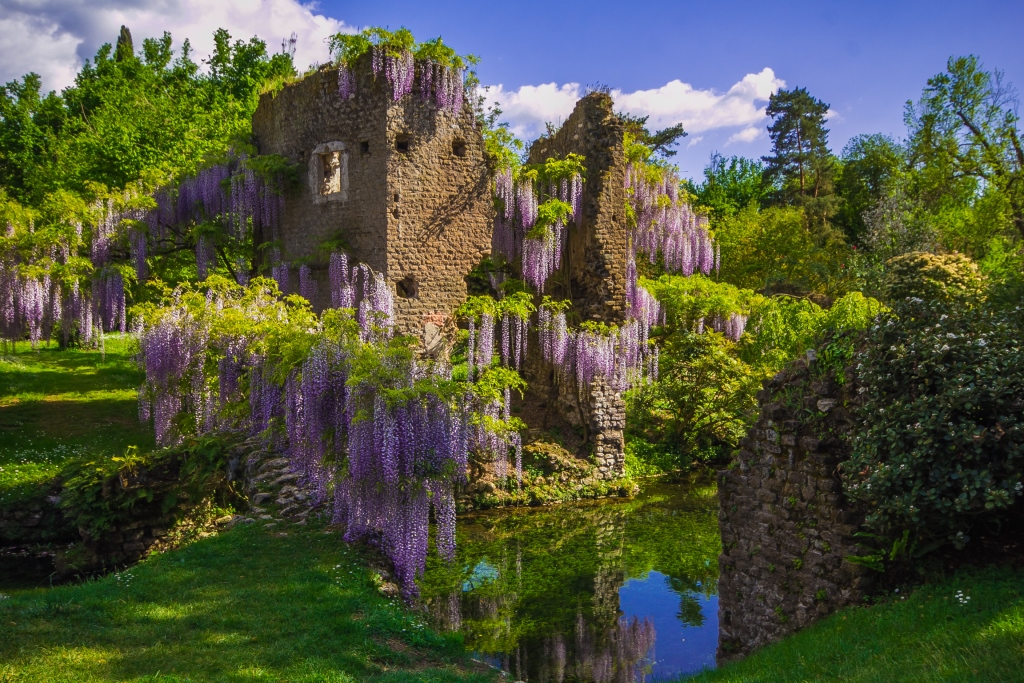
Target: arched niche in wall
x,y
328,172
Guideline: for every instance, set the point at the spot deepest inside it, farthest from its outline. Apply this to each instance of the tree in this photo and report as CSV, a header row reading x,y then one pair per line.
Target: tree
x,y
660,142
800,165
730,185
965,127
870,166
131,115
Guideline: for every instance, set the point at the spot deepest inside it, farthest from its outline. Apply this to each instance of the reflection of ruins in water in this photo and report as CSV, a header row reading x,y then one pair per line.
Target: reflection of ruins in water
x,y
619,654
536,593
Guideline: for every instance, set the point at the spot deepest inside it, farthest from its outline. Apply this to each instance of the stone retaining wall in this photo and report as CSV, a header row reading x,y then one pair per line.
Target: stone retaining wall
x,y
786,526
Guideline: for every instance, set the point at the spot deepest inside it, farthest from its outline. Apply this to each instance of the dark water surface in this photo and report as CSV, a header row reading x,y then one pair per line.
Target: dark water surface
x,y
616,590
23,568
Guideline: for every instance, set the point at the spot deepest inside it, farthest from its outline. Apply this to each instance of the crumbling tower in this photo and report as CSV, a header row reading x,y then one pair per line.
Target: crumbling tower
x,y
595,260
404,186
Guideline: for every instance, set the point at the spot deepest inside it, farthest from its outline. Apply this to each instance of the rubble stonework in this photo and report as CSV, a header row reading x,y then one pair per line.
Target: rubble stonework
x,y
595,261
786,526
403,185
596,252
406,188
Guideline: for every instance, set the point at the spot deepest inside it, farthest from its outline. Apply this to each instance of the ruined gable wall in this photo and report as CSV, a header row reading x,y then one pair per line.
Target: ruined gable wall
x,y
439,208
595,256
293,123
596,250
424,213
786,526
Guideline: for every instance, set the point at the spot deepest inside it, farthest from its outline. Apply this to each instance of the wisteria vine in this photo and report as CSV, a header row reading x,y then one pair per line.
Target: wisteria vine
x,y
441,73
380,436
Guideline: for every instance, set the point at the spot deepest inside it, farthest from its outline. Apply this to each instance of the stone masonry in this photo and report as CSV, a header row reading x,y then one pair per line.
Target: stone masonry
x,y
406,189
593,273
403,185
786,527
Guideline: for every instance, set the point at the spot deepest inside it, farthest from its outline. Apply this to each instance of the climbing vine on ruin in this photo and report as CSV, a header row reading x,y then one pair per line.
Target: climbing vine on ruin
x,y
443,74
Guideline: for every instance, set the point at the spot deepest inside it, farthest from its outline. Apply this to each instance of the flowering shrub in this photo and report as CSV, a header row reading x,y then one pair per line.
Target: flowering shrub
x,y
932,277
942,444
380,434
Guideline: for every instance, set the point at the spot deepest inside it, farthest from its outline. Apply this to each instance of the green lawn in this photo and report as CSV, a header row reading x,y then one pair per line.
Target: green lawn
x,y
56,406
930,635
251,604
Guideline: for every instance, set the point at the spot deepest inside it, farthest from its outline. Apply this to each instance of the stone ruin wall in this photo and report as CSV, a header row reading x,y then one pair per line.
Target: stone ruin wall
x,y
413,199
424,214
595,260
786,526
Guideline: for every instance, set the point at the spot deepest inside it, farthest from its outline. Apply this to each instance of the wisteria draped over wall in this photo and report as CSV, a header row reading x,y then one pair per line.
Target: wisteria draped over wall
x,y
381,449
500,339
516,226
445,85
621,355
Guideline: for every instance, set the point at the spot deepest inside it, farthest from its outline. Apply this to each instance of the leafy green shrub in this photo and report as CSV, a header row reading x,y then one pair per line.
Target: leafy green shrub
x,y
942,444
703,399
102,495
932,277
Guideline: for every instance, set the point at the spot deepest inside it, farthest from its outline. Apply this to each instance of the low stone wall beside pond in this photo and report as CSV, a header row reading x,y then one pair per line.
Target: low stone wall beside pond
x,y
786,526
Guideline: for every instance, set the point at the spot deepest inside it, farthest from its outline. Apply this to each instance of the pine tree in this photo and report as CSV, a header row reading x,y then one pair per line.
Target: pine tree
x,y
801,165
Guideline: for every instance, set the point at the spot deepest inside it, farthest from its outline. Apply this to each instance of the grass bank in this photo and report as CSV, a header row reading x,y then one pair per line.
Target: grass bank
x,y
252,604
967,628
60,406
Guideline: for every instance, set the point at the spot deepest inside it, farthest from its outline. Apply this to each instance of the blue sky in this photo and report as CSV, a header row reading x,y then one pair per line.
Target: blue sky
x,y
863,58
711,65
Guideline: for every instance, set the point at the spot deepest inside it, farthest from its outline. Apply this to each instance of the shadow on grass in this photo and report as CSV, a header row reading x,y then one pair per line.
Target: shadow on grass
x,y
55,372
247,605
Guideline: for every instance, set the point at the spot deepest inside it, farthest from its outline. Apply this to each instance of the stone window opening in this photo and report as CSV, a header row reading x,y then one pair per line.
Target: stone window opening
x,y
331,180
407,288
459,148
328,172
402,143
364,148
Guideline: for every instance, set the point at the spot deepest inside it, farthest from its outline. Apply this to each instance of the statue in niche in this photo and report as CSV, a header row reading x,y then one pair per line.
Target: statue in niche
x,y
331,180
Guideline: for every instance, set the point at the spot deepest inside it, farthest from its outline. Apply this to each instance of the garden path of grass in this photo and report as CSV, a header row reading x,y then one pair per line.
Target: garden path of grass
x,y
930,635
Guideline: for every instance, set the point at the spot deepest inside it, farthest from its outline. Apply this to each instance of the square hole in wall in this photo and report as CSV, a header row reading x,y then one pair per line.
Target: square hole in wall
x,y
459,148
364,147
407,288
402,144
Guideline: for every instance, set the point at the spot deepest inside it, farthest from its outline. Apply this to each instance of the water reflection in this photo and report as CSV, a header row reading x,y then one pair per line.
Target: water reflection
x,y
610,591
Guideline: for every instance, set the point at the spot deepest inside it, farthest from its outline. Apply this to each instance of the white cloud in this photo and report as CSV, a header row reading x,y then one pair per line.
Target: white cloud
x,y
746,135
529,107
54,37
694,141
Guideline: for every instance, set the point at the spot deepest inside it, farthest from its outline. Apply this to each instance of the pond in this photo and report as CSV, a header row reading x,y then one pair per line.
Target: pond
x,y
615,590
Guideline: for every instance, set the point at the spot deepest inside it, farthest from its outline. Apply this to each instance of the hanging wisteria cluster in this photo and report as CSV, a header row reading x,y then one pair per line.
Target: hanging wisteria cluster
x,y
498,334
440,83
230,194
621,355
529,224
667,225
731,326
382,448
